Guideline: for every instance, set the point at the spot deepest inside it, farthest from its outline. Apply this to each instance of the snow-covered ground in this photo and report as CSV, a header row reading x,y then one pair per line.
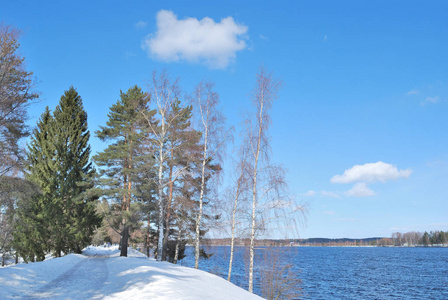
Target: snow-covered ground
x,y
100,273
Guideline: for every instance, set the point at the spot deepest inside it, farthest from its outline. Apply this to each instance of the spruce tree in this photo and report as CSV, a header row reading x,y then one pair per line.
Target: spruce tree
x,y
33,232
78,218
62,217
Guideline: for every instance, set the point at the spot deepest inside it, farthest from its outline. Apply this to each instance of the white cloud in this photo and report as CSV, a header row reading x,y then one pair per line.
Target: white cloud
x,y
412,92
430,100
371,172
330,194
325,38
328,212
323,193
360,190
140,24
193,40
310,194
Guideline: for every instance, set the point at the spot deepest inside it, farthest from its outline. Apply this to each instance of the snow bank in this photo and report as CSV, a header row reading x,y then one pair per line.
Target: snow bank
x,y
16,281
102,274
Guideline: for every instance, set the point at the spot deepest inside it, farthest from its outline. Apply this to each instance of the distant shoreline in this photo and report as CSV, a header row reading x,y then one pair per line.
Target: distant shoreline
x,y
323,242
334,246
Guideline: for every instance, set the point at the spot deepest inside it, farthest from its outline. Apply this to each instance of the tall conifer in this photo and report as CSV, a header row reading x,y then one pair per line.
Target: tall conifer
x,y
121,161
77,210
33,233
63,213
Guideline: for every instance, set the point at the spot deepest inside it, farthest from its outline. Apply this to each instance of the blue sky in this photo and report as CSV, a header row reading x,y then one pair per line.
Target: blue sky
x,y
364,90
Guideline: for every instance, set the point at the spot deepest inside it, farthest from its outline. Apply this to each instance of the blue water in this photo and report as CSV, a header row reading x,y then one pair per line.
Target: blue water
x,y
347,272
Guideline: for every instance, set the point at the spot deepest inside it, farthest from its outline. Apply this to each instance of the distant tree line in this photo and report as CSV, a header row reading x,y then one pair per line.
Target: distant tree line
x,y
433,238
420,238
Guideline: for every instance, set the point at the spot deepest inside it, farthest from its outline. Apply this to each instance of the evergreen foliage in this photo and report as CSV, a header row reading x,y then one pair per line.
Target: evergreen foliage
x,y
62,217
123,163
74,175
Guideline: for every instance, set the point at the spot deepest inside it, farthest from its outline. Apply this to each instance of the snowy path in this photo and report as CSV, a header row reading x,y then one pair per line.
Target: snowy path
x,y
100,273
91,274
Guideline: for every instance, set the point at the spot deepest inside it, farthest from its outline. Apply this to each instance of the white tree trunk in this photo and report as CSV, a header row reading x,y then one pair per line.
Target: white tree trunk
x,y
254,197
160,190
235,205
201,197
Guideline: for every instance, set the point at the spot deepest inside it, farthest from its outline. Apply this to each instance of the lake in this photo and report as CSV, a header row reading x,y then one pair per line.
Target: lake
x,y
346,272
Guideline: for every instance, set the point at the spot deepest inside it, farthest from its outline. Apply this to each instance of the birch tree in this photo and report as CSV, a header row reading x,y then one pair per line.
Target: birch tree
x,y
211,123
272,208
164,93
239,189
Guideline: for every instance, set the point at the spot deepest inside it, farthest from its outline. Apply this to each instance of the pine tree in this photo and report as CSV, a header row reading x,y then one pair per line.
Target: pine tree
x,y
121,160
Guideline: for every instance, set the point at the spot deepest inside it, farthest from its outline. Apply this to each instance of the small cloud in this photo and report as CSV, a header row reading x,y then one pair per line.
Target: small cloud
x,y
325,38
360,190
430,100
262,37
330,194
371,172
310,194
193,40
329,212
323,193
140,25
413,92
345,220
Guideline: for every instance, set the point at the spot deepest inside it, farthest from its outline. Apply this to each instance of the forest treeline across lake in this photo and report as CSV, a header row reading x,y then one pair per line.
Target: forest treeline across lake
x,y
398,239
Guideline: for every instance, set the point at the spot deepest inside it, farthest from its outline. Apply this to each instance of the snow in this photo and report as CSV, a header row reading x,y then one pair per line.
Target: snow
x,y
100,273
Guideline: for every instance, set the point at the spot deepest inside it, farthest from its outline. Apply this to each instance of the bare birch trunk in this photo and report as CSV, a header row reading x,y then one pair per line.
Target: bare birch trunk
x,y
201,198
168,211
235,206
232,241
161,210
254,197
